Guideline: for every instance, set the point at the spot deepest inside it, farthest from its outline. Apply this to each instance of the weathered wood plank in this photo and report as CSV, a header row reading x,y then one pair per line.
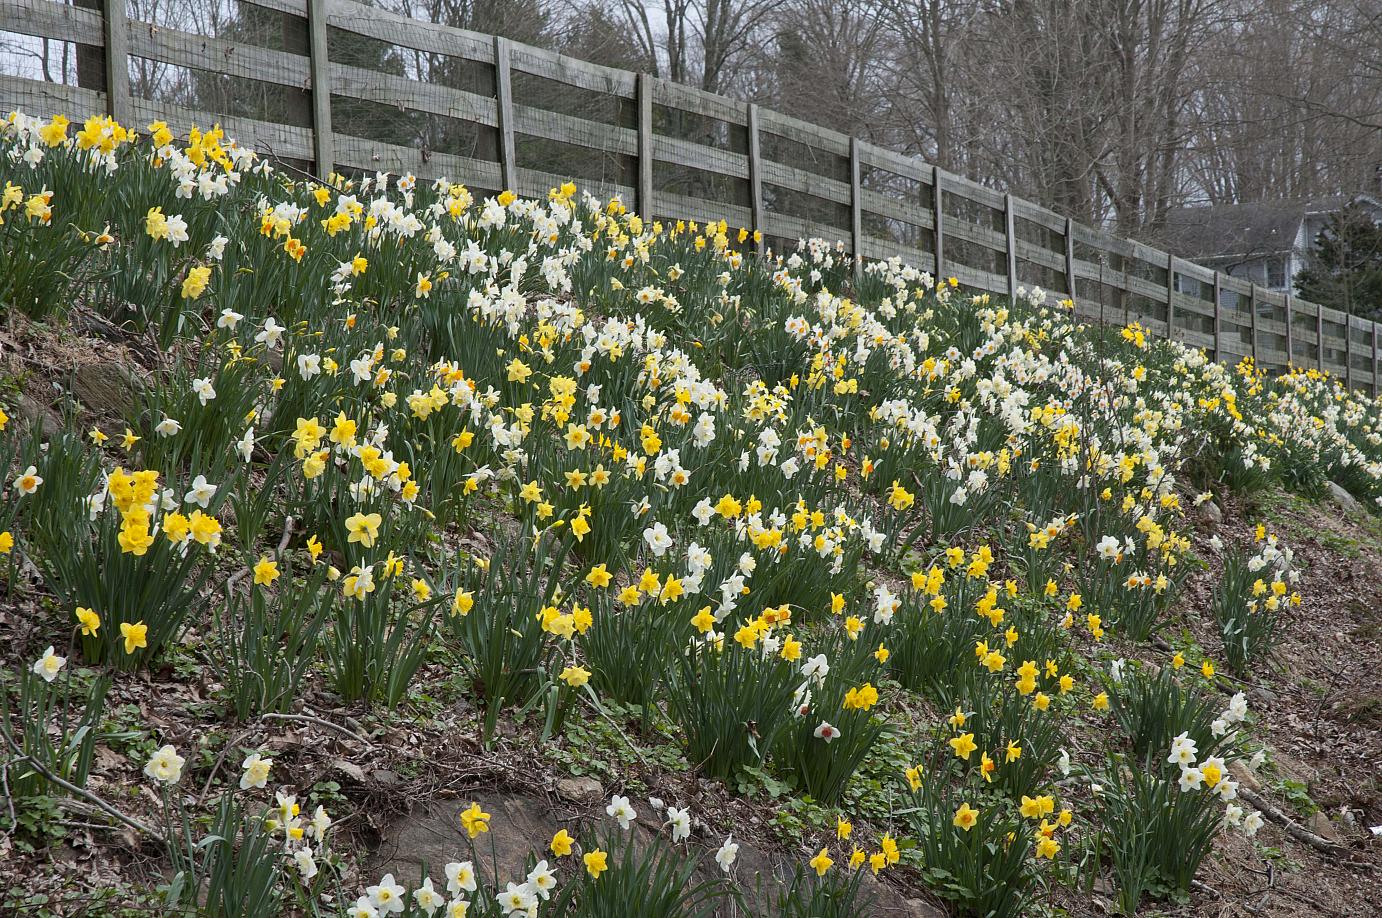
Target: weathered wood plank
x,y
572,72
791,226
900,209
1010,245
1195,272
800,180
977,277
217,55
856,210
284,140
1039,215
972,191
1374,365
410,33
44,100
1040,255
1235,285
360,153
645,145
698,101
1194,305
117,41
878,248
1252,320
320,67
973,232
1171,330
802,132
49,19
938,218
909,167
1266,326
684,207
508,146
1319,337
1290,329
1194,338
539,122
535,183
1122,280
563,128
755,176
412,95
1070,276
1125,248
295,7
699,156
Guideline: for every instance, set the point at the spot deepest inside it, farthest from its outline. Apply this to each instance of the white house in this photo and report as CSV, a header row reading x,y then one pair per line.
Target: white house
x,y
1266,242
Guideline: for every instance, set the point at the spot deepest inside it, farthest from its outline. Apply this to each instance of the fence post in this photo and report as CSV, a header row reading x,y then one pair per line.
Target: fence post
x,y
117,36
1290,334
1252,322
319,61
938,217
856,209
1348,350
503,87
1374,360
1123,291
1070,259
756,178
1319,337
1218,317
644,94
1170,298
1010,230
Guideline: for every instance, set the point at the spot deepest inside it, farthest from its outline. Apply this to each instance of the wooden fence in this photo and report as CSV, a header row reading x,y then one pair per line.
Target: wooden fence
x,y
335,84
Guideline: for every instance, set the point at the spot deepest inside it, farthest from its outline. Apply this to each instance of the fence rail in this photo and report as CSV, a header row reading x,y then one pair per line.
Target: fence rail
x,y
339,85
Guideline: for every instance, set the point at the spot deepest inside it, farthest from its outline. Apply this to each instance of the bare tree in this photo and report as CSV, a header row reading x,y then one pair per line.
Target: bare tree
x,y
829,66
926,79
1288,102
699,42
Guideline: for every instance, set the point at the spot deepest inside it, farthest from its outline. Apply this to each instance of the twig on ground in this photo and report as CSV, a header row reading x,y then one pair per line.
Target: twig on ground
x,y
9,801
71,788
319,721
287,534
1292,828
220,758
600,709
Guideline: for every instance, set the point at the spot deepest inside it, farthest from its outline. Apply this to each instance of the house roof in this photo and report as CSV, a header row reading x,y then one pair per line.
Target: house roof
x,y
1245,230
1260,228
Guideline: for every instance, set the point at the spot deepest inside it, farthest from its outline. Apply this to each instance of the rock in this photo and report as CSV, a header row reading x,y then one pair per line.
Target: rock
x,y
431,836
886,902
1262,697
1346,501
583,791
350,770
36,414
1324,827
1209,514
106,387
385,778
1244,776
920,908
1289,768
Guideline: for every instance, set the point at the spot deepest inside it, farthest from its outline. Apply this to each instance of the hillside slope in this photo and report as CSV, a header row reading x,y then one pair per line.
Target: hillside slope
x,y
359,531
